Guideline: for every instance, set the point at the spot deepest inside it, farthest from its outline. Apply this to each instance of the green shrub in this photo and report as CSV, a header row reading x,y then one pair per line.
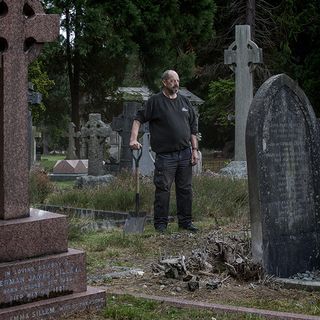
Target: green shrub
x,y
40,186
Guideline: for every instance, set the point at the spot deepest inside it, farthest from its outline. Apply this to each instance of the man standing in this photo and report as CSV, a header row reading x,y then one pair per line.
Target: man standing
x,y
173,127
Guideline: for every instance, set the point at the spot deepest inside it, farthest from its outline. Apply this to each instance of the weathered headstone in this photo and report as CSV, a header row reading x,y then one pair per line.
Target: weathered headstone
x,y
36,268
35,144
123,124
146,164
95,132
114,143
33,98
242,55
283,149
72,135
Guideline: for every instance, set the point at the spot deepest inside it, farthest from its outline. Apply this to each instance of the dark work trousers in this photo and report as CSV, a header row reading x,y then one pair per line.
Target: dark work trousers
x,y
174,166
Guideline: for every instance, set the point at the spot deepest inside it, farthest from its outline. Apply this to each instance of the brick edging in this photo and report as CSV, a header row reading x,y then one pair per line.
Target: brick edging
x,y
218,308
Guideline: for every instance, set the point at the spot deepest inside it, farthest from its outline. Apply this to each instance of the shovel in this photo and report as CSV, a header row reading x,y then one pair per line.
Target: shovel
x,y
136,220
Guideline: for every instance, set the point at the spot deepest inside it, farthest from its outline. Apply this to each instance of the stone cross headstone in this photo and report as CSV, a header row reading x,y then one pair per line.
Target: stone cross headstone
x,y
123,124
40,277
22,33
95,133
72,135
283,159
242,55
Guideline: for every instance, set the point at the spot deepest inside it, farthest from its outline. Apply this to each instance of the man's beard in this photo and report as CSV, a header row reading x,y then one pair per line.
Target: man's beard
x,y
173,90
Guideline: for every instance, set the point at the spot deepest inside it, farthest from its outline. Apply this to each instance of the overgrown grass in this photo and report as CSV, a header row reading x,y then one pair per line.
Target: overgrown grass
x,y
117,196
221,198
130,308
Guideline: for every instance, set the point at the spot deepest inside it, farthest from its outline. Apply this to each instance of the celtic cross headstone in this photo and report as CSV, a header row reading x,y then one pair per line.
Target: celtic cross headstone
x,y
40,277
95,132
24,27
242,55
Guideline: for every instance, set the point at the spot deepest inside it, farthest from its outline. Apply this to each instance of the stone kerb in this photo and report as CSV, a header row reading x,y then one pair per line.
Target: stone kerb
x,y
282,145
71,166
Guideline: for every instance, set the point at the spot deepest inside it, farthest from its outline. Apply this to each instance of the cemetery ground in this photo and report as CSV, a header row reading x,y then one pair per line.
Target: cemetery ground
x,y
218,256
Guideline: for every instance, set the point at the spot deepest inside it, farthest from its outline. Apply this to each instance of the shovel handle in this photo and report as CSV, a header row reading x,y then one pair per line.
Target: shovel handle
x,y
137,156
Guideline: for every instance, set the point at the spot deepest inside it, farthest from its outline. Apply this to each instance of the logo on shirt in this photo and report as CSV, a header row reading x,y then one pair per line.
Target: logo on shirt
x,y
184,109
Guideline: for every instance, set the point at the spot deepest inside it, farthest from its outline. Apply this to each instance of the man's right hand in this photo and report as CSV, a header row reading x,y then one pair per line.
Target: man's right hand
x,y
135,145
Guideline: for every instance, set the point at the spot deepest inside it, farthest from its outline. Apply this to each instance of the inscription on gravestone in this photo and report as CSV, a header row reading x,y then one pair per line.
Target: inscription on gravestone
x,y
25,281
282,142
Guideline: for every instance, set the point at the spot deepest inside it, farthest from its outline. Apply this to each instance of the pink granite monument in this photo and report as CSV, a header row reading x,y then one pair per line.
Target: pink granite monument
x,y
40,278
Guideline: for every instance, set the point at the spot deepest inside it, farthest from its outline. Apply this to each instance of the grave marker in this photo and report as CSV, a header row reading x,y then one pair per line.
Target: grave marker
x,y
22,33
283,148
146,165
72,135
242,55
123,124
34,255
95,133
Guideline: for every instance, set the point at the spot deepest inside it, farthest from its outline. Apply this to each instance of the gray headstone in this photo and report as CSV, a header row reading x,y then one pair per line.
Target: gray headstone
x,y
146,163
123,124
114,142
95,132
282,141
242,55
197,169
72,135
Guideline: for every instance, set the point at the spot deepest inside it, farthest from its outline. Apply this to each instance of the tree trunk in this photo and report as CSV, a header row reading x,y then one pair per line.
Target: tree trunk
x,y
73,62
251,16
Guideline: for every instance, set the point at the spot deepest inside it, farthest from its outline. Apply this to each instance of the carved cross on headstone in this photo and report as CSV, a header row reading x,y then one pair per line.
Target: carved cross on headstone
x,y
242,55
71,153
95,132
24,27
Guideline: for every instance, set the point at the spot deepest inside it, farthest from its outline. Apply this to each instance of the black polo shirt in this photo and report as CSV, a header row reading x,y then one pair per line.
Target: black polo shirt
x,y
171,122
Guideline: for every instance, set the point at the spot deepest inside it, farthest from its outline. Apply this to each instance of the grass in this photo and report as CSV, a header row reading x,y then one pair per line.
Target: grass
x,y
48,161
113,248
219,198
131,308
217,201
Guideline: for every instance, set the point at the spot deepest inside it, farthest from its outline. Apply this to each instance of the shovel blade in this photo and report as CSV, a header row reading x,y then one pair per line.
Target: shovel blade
x,y
135,222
